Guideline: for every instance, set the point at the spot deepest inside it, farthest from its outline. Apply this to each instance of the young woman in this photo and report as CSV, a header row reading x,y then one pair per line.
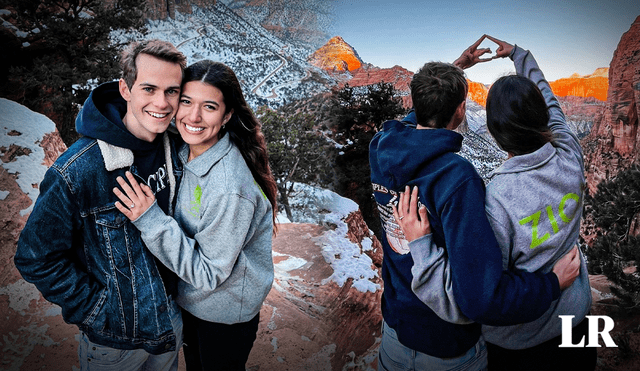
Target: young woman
x,y
219,239
534,203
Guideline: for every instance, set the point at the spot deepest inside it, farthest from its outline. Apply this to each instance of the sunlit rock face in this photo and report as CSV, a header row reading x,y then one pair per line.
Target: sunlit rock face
x,y
336,55
594,85
612,145
478,92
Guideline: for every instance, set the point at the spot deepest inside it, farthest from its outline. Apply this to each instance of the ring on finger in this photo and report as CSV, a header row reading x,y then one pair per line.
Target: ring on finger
x,y
400,218
132,206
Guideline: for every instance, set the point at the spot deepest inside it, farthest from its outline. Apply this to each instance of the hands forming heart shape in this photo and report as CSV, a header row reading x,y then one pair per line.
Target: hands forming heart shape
x,y
472,54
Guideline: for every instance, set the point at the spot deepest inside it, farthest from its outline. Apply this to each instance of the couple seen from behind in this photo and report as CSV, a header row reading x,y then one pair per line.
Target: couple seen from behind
x,y
475,281
148,239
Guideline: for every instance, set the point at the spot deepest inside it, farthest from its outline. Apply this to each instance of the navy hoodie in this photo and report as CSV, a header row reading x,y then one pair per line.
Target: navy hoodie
x,y
101,118
454,194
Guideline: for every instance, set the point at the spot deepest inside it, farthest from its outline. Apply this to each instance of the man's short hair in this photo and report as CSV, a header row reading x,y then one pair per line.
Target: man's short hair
x,y
437,89
156,48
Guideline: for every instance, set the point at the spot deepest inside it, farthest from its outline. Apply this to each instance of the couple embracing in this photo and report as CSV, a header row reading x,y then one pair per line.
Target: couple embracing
x,y
145,237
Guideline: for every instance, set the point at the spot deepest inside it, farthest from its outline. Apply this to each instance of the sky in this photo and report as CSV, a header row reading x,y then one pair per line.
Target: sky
x,y
565,36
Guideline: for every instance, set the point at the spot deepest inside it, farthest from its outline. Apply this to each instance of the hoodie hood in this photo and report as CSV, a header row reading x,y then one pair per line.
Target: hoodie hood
x,y
399,152
101,118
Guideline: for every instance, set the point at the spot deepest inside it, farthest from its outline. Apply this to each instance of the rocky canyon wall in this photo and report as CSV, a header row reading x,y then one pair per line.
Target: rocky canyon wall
x,y
614,143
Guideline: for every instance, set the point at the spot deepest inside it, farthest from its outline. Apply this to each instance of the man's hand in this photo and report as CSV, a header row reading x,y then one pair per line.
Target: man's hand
x,y
472,55
135,200
414,222
567,268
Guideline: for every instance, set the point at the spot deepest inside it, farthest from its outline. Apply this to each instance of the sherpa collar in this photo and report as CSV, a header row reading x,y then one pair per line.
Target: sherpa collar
x,y
117,158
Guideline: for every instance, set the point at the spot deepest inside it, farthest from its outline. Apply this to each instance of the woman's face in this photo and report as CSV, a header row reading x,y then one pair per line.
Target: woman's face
x,y
200,116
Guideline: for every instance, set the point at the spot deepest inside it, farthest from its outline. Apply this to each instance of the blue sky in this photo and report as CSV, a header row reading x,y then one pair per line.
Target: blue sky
x,y
565,36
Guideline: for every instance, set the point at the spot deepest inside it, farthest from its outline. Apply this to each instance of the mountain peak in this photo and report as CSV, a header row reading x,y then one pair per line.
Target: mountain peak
x,y
600,72
336,55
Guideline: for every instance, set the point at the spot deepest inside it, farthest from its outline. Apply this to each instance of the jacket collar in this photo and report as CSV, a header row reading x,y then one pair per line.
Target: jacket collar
x,y
115,157
119,158
201,165
527,162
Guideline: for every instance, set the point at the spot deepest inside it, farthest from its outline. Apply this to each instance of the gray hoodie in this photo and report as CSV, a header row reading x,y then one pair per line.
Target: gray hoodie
x,y
219,243
534,204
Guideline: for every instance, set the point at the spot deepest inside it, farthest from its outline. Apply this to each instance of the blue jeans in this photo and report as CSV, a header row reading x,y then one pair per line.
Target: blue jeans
x,y
95,357
393,356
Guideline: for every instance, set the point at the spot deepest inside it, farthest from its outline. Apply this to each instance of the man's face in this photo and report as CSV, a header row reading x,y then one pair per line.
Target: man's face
x,y
153,99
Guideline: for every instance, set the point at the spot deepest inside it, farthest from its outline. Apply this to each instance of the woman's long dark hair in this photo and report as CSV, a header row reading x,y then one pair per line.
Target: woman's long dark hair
x,y
243,127
517,115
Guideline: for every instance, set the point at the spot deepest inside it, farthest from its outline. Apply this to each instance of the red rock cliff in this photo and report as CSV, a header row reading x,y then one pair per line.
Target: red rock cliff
x,y
398,76
614,143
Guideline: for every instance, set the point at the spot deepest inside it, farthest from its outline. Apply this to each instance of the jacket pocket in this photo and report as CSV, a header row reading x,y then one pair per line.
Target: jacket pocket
x,y
97,309
118,239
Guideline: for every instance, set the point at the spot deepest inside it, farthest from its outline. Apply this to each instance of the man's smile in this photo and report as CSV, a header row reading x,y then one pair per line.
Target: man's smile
x,y
158,115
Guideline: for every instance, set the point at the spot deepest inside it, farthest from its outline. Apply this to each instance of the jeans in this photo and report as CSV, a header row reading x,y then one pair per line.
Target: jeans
x,y
95,357
393,356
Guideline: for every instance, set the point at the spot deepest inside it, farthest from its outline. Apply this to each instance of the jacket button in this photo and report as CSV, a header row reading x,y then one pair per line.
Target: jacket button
x,y
167,346
162,308
118,220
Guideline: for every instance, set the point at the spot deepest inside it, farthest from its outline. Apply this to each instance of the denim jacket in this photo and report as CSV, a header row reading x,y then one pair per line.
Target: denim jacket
x,y
86,256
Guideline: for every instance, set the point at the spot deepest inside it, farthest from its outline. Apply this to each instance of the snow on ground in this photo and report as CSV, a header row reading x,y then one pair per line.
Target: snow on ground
x,y
348,260
24,128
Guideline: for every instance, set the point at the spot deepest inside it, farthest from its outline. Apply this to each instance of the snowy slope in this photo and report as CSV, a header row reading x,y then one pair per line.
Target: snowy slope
x,y
19,126
270,70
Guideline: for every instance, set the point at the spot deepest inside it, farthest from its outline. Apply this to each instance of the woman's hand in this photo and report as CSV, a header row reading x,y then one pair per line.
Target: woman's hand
x,y
504,48
472,55
567,268
413,221
137,197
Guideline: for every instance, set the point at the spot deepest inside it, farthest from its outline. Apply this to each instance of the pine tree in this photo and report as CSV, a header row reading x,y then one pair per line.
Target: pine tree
x,y
59,48
358,113
297,152
615,211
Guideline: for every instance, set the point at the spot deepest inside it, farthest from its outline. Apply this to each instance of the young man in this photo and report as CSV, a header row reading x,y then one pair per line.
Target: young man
x,y
80,251
420,152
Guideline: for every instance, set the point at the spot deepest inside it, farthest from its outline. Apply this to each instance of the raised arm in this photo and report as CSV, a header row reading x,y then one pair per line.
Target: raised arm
x,y
526,65
471,56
